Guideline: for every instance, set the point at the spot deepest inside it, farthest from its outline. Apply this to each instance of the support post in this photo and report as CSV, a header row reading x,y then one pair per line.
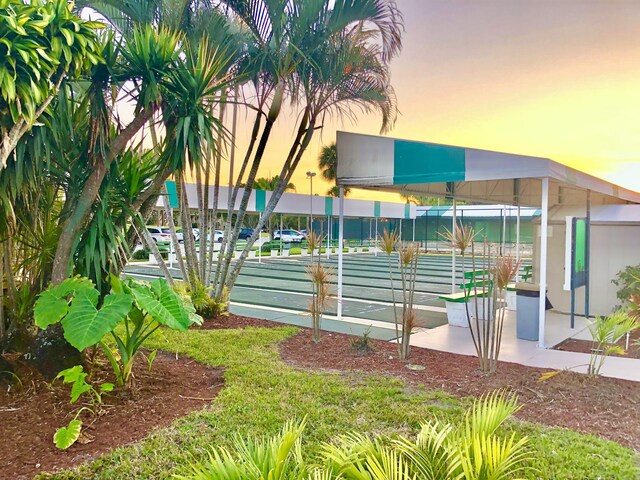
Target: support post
x,y
544,229
587,257
453,250
413,234
518,243
340,246
328,236
375,248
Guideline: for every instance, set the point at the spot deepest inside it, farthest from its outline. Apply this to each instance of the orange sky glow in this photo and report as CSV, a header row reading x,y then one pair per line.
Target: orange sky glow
x,y
559,79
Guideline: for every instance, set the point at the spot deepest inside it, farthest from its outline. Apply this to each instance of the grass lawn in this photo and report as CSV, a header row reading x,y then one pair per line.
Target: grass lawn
x,y
261,393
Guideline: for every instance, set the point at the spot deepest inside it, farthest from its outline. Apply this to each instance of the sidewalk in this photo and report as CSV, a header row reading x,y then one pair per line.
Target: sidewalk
x,y
458,340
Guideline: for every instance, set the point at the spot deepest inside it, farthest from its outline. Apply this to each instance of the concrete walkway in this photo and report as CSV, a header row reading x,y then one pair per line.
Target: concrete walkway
x,y
452,339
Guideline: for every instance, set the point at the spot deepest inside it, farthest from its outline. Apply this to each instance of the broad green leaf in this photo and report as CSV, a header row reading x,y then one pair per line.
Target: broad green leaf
x,y
162,304
67,436
106,387
70,375
85,325
79,387
53,304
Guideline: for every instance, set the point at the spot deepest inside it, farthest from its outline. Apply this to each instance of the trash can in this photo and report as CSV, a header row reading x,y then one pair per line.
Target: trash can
x,y
527,302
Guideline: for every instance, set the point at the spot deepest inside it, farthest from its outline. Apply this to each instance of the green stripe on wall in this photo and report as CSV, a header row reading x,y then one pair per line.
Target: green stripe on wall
x,y
328,206
417,162
261,200
407,210
376,209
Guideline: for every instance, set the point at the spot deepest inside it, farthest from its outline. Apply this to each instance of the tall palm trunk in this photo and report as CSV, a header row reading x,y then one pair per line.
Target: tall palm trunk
x,y
153,248
219,279
242,209
300,144
187,234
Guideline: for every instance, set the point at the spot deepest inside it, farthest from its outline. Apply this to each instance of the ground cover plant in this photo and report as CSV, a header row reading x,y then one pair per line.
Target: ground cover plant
x,y
262,393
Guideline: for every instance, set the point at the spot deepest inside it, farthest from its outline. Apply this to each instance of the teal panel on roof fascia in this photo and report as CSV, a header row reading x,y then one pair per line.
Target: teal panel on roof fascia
x,y
418,162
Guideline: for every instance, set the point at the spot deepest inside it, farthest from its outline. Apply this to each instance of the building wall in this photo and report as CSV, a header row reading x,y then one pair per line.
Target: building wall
x,y
613,247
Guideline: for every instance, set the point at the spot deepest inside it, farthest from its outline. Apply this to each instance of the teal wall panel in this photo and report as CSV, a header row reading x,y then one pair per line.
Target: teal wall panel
x,y
417,162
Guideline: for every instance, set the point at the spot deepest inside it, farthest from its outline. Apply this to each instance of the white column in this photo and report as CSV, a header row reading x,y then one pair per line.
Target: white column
x,y
413,234
328,236
544,228
454,224
518,242
340,245
375,240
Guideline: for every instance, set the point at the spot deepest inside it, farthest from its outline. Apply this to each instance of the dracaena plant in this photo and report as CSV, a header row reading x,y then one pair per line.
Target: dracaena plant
x,y
140,309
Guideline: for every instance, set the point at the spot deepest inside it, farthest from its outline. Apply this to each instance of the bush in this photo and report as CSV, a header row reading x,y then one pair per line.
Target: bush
x,y
475,449
205,305
141,308
628,283
140,255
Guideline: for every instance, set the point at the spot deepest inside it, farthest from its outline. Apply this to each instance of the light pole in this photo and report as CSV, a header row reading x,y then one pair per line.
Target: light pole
x,y
311,175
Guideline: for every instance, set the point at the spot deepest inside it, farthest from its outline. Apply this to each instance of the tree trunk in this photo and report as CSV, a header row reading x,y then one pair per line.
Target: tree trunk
x,y
187,233
82,209
153,248
301,142
243,205
219,279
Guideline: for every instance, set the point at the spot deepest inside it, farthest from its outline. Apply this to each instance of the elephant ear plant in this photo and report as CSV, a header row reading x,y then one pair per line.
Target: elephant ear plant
x,y
140,308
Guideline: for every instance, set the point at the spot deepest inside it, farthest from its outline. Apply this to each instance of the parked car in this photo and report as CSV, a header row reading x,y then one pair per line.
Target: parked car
x,y
163,234
288,236
245,233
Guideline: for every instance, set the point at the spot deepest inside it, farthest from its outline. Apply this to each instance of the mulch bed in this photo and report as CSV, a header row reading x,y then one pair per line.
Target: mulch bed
x,y
30,416
235,321
584,346
602,406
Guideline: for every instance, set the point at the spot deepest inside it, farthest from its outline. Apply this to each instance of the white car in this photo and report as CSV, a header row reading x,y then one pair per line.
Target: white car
x,y
217,235
162,234
289,236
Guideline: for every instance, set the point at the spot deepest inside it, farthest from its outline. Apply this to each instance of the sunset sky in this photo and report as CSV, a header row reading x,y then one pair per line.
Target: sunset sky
x,y
559,79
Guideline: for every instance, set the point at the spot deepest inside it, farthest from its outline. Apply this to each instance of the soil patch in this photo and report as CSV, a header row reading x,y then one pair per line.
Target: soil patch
x,y
29,417
603,406
235,321
584,346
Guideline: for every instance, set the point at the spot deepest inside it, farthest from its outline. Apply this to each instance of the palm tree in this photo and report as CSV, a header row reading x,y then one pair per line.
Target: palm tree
x,y
270,184
345,67
328,164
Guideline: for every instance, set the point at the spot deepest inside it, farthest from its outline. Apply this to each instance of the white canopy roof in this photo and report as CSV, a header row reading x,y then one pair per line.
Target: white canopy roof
x,y
478,176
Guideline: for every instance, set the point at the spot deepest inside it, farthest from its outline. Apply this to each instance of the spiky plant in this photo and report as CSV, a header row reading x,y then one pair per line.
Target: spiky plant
x,y
442,451
320,277
314,242
388,240
606,332
461,237
502,273
408,254
276,458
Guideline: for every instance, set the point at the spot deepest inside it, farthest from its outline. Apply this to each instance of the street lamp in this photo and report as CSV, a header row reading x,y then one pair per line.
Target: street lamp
x,y
311,175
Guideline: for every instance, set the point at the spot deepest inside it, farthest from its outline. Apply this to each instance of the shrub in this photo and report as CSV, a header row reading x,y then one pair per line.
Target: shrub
x,y
606,333
473,450
628,283
140,255
140,306
362,344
